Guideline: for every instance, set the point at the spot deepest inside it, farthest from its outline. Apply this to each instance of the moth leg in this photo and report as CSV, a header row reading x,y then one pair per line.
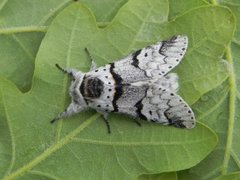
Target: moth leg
x,y
105,118
71,72
108,125
93,65
137,122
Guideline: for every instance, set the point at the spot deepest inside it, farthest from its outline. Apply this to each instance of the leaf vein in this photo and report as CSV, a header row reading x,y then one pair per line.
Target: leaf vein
x,y
11,135
232,100
115,143
67,139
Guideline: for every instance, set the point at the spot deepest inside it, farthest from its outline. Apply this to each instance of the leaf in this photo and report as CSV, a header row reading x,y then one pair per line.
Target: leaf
x,y
104,11
163,176
219,110
233,176
22,27
80,145
206,46
212,110
122,153
234,5
212,70
181,6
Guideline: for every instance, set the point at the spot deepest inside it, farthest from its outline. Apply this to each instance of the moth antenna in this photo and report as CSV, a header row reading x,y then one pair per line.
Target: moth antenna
x,y
93,65
70,72
54,120
137,122
60,68
88,53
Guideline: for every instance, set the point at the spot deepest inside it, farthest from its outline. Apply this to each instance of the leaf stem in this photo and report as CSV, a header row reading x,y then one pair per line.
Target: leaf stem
x,y
52,149
23,29
232,100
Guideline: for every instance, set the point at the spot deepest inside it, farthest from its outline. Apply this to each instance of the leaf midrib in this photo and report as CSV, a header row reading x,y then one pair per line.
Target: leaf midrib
x,y
232,108
23,29
146,143
67,139
11,135
4,2
65,94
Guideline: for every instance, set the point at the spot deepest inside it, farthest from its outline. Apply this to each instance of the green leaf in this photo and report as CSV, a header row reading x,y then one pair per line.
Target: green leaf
x,y
233,176
234,5
20,39
212,109
22,27
181,6
79,146
104,10
219,110
163,176
125,153
214,28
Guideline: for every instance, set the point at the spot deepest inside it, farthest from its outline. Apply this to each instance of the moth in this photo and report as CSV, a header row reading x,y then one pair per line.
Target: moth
x,y
138,85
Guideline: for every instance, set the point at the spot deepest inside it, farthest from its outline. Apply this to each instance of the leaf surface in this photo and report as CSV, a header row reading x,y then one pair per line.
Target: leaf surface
x,y
181,6
163,176
80,146
219,109
104,10
22,27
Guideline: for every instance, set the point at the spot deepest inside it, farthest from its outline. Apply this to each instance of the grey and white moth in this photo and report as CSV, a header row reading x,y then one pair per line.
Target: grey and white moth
x,y
138,85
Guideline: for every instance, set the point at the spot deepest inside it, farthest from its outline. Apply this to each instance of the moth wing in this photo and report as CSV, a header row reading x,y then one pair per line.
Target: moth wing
x,y
151,62
155,103
166,107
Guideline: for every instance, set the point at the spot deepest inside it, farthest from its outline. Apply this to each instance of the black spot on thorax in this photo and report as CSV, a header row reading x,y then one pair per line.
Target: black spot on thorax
x,y
91,87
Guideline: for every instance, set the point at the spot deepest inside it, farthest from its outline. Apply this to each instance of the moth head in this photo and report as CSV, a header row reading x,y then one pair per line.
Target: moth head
x,y
75,89
78,103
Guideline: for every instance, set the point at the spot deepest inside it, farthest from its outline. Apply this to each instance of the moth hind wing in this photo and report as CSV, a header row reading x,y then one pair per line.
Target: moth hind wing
x,y
181,116
168,108
169,82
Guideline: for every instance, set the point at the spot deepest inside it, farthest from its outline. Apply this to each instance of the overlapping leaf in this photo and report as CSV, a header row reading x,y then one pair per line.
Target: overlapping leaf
x,y
219,110
22,27
82,148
